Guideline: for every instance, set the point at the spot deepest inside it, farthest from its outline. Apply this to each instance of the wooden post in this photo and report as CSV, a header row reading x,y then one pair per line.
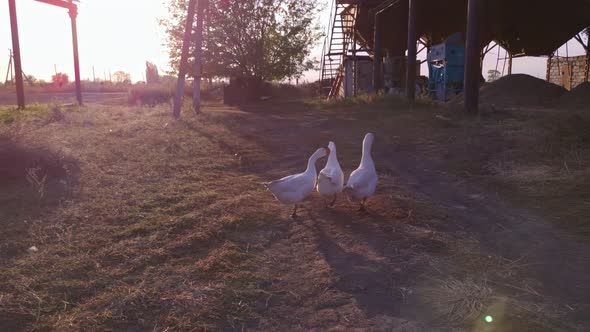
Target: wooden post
x,y
73,13
18,69
377,55
411,63
198,56
184,57
472,69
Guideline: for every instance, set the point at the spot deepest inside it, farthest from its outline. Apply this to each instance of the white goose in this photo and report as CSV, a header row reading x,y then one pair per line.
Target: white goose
x,y
293,189
363,181
331,178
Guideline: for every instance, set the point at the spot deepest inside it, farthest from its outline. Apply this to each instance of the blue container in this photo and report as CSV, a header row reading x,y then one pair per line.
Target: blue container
x,y
446,65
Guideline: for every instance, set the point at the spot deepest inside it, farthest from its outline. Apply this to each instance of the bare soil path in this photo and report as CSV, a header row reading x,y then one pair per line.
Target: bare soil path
x,y
337,268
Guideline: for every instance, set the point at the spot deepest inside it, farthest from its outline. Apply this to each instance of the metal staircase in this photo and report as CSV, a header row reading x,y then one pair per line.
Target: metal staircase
x,y
339,41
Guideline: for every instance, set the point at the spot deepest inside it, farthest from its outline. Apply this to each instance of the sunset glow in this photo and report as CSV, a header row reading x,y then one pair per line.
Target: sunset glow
x,y
122,35
113,35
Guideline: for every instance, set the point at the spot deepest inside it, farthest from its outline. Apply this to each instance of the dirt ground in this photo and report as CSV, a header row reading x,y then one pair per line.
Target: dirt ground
x,y
142,222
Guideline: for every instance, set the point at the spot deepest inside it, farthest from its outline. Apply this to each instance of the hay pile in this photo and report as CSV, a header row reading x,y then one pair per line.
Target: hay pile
x,y
578,98
516,91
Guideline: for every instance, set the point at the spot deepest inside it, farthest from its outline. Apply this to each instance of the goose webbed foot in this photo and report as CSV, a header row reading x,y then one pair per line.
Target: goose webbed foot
x,y
363,206
294,214
333,201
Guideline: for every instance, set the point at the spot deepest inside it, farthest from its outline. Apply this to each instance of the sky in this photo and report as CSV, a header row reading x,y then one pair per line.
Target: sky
x,y
124,34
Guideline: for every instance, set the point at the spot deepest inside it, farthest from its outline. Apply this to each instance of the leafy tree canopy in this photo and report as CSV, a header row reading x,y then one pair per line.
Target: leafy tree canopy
x,y
266,39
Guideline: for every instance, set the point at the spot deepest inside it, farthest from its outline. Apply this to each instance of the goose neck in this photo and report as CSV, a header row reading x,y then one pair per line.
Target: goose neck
x,y
366,158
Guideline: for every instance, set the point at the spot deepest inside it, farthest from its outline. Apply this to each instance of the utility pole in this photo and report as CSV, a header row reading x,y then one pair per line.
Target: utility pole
x,y
20,88
9,71
184,57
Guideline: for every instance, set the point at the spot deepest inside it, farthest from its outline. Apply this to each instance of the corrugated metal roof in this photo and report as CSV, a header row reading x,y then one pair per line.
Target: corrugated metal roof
x,y
531,27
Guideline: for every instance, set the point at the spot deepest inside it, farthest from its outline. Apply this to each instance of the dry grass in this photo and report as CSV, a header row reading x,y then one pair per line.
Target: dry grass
x,y
150,214
147,223
455,301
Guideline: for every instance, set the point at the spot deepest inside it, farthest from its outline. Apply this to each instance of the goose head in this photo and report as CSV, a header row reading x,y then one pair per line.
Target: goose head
x,y
331,148
320,153
369,138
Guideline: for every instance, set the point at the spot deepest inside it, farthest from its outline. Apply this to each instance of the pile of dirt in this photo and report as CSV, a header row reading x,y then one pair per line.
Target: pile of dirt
x,y
578,98
515,91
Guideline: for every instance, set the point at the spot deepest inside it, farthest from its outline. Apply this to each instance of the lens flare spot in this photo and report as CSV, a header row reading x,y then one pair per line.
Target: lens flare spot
x,y
489,319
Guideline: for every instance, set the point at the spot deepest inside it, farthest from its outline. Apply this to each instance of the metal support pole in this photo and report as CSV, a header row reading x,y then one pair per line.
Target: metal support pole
x,y
377,55
510,64
18,71
412,49
354,59
184,57
472,69
198,56
549,65
73,13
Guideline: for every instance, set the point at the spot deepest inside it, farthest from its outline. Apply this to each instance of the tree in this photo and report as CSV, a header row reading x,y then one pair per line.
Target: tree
x,y
122,77
264,39
151,73
60,79
493,75
31,79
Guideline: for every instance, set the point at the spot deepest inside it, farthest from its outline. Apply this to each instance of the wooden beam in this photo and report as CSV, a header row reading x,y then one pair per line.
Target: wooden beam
x,y
412,48
472,57
190,16
18,69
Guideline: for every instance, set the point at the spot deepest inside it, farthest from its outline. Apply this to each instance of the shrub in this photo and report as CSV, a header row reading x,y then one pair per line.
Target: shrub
x,y
149,95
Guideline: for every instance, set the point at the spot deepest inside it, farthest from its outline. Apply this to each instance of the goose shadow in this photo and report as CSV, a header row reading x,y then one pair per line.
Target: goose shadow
x,y
370,281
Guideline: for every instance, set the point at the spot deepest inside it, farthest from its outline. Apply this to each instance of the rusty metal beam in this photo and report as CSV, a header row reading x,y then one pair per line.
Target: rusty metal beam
x,y
377,55
412,49
60,3
73,14
472,68
18,71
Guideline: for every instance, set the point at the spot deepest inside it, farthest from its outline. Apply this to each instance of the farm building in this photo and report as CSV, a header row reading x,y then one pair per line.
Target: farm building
x,y
456,34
